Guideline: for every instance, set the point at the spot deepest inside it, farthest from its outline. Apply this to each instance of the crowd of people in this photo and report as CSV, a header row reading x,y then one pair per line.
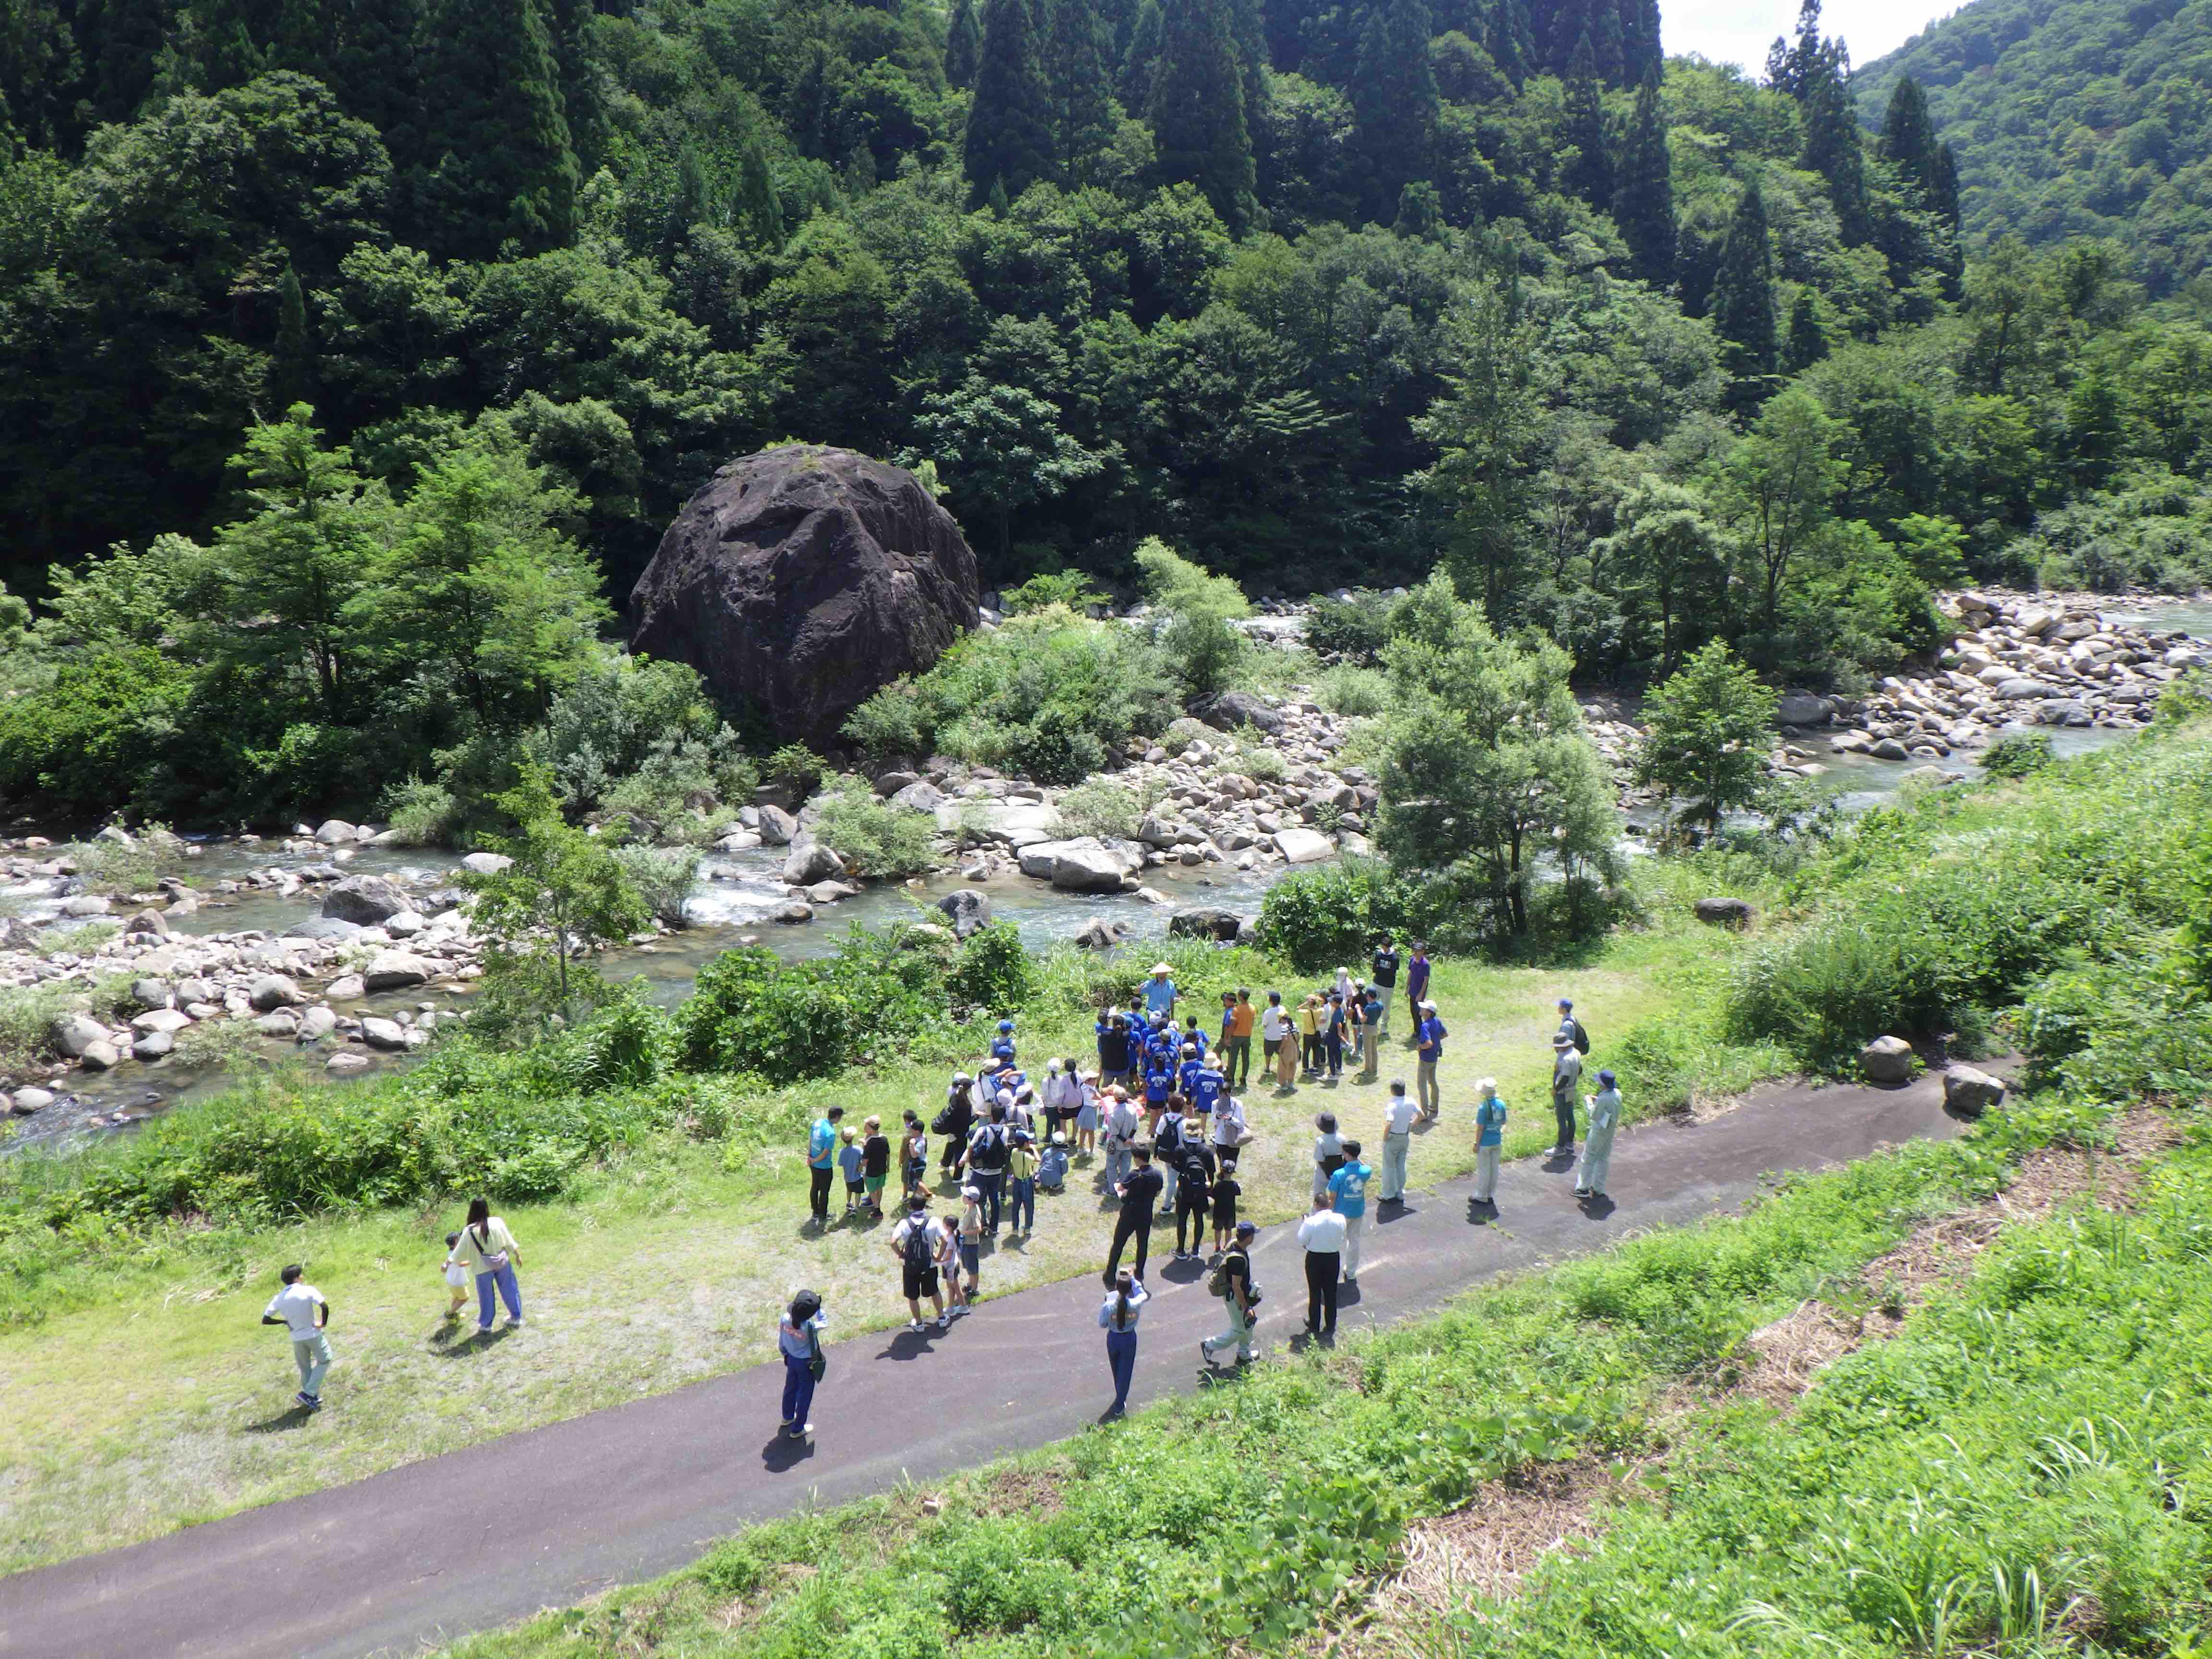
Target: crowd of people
x,y
1159,1114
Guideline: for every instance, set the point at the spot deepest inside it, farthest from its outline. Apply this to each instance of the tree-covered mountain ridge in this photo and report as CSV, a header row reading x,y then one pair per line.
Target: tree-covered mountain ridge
x,y
2089,117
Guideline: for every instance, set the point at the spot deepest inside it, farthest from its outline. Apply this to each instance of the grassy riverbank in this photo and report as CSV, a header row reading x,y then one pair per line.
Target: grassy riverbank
x,y
148,1396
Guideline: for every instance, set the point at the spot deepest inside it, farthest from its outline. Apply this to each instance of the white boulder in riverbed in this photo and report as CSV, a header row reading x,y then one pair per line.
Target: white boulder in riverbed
x,y
273,991
1301,845
396,970
385,1034
74,1035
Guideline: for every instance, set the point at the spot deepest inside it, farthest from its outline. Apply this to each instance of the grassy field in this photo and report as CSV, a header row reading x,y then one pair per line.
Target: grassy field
x,y
1997,1446
148,1396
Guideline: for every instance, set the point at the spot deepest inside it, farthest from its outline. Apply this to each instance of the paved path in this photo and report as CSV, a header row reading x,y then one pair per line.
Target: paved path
x,y
426,1553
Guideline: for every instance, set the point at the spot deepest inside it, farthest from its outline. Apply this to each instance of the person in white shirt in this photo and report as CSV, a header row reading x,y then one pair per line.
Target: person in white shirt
x,y
303,1311
1321,1236
1566,1084
1229,1129
1397,1140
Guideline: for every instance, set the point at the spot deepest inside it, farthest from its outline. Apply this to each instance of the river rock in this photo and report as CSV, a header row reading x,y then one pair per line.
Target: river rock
x,y
388,1035
1890,749
346,1060
810,864
406,924
1100,934
438,900
73,1033
486,864
148,992
1887,1060
890,783
829,892
1205,922
152,1045
1088,869
148,921
101,1056
317,1022
2021,690
346,987
1799,709
1227,710
1725,912
86,904
967,909
27,1100
282,1023
336,832
777,827
162,1019
800,580
1970,1093
920,797
365,900
1302,845
396,970
322,927
273,991
791,915
2063,711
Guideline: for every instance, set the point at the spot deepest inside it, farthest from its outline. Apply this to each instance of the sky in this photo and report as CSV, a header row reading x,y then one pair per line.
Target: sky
x,y
1740,31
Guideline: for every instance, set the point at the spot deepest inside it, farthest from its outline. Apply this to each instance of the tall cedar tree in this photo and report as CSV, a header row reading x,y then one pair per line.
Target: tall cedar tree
x,y
1078,51
498,160
1510,40
1832,148
292,375
1394,103
122,42
1807,340
1140,63
1197,110
1608,42
569,22
1645,53
1010,127
1643,199
1591,175
1247,26
1789,67
1743,303
374,73
1908,137
1943,186
964,46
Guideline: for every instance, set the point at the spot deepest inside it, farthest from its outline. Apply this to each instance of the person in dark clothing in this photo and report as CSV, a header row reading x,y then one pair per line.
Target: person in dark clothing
x,y
1139,1194
1193,1199
1333,1033
1320,1235
1382,975
1114,1064
990,1148
1226,1191
955,1120
875,1165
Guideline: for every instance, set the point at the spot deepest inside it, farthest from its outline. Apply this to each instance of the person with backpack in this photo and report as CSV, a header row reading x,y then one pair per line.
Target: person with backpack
x,y
1232,1283
1002,1046
1021,1178
914,1242
1230,1131
1194,1199
1169,1134
1207,1085
1052,1166
1137,1193
1328,1151
1347,1191
1598,1148
1428,1050
1114,1060
489,1251
821,1162
946,1254
1566,1084
1321,1236
913,1157
1117,1316
1489,1140
798,1338
984,1162
1571,1028
1309,1022
953,1123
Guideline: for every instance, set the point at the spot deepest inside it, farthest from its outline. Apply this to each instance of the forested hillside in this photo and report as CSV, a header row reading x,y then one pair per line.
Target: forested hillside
x,y
2092,117
378,339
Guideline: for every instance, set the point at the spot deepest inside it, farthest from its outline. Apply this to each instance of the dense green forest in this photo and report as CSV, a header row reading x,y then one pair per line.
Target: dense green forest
x,y
352,356
2084,119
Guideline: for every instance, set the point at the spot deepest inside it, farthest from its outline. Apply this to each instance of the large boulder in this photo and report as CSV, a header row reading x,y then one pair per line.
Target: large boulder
x,y
1100,934
365,900
1204,921
395,970
967,909
1970,1093
1303,845
1887,1060
1088,869
810,864
1797,708
72,1034
800,580
1227,710
1725,912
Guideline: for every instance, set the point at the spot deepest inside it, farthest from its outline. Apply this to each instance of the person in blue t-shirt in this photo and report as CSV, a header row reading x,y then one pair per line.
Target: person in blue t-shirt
x,y
1159,993
1159,1081
1002,1046
821,1162
1188,1068
1429,1040
1348,1192
1206,1086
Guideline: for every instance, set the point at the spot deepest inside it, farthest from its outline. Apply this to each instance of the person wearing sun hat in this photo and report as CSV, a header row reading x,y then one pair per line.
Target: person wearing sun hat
x,y
1002,1046
1160,994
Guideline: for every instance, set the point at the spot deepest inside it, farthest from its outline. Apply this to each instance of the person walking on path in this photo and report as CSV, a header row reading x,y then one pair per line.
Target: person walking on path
x,y
1138,1193
1234,1276
1021,1176
1321,1236
821,1162
304,1312
1489,1140
914,1242
1237,1048
489,1251
1383,977
1397,1141
1347,1191
1160,994
1428,1048
1194,1203
1274,1031
1597,1150
971,1244
1328,1151
1117,1317
1566,1084
1226,1191
1417,981
799,1337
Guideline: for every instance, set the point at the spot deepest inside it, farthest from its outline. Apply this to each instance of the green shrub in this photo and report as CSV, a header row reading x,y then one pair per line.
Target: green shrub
x,y
878,841
662,876
750,1013
798,768
993,973
1099,808
640,738
1326,914
2017,754
1071,588
422,813
1357,628
1353,691
1255,760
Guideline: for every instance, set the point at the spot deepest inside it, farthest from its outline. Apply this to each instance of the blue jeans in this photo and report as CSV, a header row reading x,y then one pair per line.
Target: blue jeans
x,y
487,1305
798,1391
313,1356
987,1184
1024,1203
1121,1357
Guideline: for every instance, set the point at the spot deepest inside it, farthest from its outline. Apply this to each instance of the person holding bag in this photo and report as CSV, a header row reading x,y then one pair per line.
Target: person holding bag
x,y
489,1251
800,1338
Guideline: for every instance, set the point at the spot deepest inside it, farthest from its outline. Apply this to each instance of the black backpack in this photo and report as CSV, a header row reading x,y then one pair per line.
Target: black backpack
x,y
989,1151
1581,1036
1167,1137
920,1247
1196,1181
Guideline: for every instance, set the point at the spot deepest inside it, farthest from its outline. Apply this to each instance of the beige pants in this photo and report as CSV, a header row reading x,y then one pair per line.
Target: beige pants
x,y
1485,1173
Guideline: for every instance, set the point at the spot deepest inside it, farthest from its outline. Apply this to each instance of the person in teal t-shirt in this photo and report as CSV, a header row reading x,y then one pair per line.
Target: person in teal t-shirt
x,y
1489,1139
1348,1192
822,1162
